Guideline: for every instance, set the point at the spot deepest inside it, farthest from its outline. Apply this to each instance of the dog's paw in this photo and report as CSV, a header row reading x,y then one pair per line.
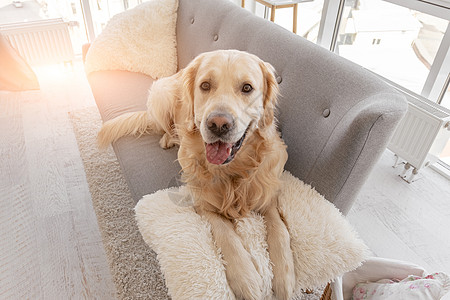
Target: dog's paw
x,y
245,281
283,282
166,142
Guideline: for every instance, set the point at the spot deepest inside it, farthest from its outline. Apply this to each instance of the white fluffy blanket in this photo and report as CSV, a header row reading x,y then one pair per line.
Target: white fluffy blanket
x,y
323,242
142,39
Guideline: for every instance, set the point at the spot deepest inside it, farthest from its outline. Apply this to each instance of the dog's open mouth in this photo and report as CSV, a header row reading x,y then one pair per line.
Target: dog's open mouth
x,y
220,153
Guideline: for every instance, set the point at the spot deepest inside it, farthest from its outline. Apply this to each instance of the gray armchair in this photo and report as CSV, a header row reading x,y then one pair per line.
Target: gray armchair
x,y
335,117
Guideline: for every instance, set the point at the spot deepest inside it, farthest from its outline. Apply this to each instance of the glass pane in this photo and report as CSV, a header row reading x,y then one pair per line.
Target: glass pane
x,y
393,41
308,18
69,11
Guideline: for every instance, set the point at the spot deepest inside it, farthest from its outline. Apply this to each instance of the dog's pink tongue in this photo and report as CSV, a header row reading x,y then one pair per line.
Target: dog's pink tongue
x,y
218,152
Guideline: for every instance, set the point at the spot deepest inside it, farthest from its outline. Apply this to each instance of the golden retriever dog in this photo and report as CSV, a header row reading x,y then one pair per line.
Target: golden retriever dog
x,y
220,111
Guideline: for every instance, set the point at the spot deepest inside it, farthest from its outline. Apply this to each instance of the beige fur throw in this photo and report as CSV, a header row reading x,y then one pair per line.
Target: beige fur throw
x,y
142,39
323,242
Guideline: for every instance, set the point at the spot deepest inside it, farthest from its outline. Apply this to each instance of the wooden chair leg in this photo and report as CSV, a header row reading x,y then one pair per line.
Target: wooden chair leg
x,y
272,13
295,18
243,3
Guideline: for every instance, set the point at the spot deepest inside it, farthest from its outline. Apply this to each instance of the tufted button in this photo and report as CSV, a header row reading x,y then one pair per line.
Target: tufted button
x,y
216,37
279,79
326,113
192,21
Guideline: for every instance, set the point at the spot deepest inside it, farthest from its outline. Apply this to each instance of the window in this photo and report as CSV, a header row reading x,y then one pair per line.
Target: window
x,y
406,46
395,42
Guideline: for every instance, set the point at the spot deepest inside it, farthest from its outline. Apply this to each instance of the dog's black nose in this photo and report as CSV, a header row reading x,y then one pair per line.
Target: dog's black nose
x,y
219,123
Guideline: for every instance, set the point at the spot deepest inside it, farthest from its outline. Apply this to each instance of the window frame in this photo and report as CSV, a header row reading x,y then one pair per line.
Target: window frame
x,y
437,8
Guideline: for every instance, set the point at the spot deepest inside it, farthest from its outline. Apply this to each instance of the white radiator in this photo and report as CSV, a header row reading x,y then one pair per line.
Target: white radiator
x,y
40,42
421,136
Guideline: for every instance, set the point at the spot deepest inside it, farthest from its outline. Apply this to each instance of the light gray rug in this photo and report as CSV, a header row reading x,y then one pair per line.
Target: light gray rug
x,y
133,264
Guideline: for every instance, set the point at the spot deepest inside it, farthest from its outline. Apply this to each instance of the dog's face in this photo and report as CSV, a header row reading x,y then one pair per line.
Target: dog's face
x,y
231,94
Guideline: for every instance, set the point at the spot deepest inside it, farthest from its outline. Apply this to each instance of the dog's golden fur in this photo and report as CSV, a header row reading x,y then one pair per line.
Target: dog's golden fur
x,y
178,108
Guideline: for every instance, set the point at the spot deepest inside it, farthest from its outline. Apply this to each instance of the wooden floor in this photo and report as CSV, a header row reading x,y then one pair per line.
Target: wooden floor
x,y
50,245
405,221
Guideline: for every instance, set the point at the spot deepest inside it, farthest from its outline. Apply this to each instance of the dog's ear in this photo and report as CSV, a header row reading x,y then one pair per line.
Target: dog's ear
x,y
188,77
271,91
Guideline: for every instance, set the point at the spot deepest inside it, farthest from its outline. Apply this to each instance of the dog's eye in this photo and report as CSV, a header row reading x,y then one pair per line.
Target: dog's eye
x,y
206,86
247,88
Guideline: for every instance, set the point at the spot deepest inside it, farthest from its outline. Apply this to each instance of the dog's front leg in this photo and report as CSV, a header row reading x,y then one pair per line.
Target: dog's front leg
x,y
280,253
242,276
